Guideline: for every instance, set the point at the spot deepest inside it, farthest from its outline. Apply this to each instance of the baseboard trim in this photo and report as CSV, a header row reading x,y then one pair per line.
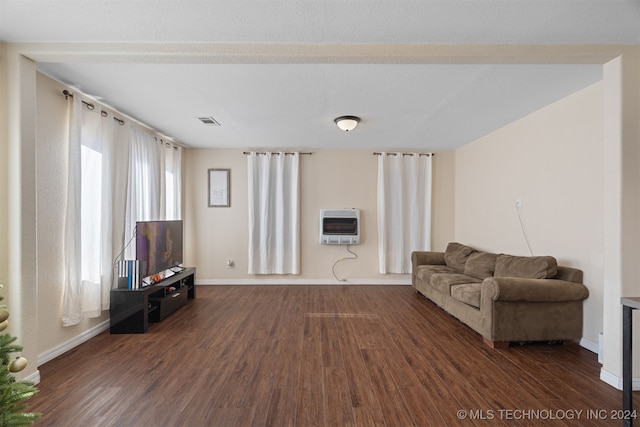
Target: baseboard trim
x,y
616,381
283,281
589,345
34,378
606,376
72,343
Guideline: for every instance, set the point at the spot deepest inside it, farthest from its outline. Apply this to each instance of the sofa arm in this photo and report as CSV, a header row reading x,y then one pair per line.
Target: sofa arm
x,y
427,258
514,289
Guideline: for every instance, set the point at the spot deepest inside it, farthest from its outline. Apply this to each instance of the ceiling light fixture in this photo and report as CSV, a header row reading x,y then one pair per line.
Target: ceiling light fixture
x,y
347,123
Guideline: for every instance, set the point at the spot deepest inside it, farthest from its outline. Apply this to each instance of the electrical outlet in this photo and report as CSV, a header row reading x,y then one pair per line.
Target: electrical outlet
x,y
519,202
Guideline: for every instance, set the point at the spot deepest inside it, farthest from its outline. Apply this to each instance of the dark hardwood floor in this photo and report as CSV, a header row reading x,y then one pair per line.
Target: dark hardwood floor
x,y
319,356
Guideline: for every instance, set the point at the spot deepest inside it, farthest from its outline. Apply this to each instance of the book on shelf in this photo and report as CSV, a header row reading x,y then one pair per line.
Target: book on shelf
x,y
129,274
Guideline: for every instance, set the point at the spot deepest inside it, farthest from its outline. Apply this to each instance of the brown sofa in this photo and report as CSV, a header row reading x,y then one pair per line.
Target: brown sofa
x,y
502,297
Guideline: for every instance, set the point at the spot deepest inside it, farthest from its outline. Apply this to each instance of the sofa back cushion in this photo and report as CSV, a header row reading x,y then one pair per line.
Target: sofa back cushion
x,y
480,265
532,267
456,254
569,274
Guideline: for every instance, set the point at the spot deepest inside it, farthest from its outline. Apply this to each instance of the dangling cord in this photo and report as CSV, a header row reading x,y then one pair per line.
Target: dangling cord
x,y
333,269
115,262
524,233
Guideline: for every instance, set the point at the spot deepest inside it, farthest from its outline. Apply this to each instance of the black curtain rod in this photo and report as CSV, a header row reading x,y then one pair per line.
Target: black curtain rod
x,y
405,154
90,106
273,152
167,144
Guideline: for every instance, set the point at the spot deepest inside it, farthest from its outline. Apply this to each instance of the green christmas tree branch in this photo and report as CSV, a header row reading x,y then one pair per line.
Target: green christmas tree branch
x,y
13,393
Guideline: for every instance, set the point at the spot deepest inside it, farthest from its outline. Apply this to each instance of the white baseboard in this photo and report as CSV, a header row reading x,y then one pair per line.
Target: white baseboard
x,y
283,281
34,378
606,376
616,381
72,343
589,345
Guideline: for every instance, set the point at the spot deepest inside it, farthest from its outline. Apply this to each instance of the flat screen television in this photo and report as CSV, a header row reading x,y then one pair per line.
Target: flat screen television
x,y
158,246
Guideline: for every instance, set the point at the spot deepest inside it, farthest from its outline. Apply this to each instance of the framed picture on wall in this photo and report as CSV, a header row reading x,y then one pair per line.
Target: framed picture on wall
x,y
219,188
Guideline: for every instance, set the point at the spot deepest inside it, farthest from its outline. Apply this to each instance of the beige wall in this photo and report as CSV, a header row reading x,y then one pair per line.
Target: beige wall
x,y
443,201
329,179
622,205
17,145
4,179
552,160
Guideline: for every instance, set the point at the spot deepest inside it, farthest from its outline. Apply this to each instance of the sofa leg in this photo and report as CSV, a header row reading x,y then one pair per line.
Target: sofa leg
x,y
499,345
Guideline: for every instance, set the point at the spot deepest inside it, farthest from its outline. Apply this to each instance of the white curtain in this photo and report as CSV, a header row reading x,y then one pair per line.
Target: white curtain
x,y
121,233
72,293
108,190
274,213
173,182
404,209
102,271
88,242
154,184
146,176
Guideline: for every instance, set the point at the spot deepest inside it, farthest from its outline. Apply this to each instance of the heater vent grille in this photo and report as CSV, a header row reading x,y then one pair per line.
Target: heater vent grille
x,y
209,121
339,226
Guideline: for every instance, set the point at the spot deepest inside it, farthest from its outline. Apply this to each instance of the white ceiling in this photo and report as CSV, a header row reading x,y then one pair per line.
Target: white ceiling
x,y
289,97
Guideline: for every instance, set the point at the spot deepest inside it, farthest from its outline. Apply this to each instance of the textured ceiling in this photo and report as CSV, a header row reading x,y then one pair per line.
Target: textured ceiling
x,y
288,99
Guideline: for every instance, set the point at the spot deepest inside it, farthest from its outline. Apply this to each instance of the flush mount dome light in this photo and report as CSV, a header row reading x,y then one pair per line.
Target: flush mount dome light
x,y
347,123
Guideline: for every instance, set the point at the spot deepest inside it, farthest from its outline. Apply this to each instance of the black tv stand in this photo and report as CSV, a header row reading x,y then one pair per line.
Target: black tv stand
x,y
131,310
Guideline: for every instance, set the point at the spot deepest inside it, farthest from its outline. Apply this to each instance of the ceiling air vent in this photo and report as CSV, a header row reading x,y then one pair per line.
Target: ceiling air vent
x,y
209,121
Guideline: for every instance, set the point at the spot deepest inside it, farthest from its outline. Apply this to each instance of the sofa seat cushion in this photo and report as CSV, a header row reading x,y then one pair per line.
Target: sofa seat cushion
x,y
444,281
468,293
456,255
481,265
526,267
423,273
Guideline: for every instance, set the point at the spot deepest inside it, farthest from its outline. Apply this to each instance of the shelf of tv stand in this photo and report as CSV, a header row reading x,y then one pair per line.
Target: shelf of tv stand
x,y
131,310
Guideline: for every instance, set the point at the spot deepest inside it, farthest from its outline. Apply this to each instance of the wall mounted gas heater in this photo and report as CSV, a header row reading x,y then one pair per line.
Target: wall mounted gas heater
x,y
340,226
